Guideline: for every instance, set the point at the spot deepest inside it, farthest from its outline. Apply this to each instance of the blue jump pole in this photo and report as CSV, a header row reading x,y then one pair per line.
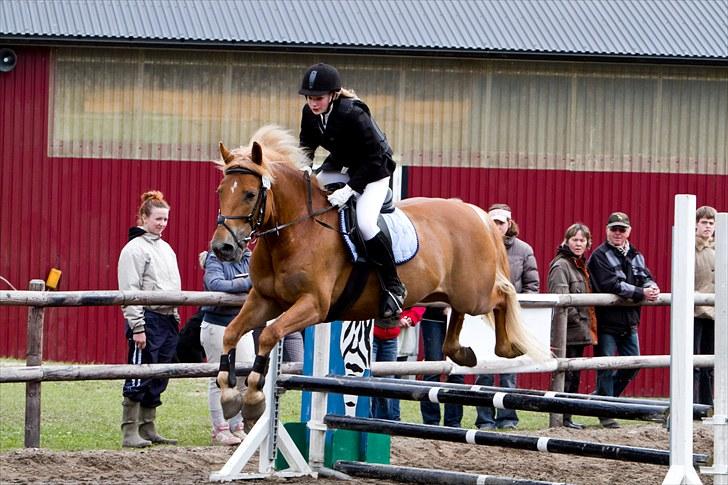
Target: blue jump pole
x,y
407,474
468,397
508,440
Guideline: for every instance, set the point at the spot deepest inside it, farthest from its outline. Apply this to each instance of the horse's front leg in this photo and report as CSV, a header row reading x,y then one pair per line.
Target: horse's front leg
x,y
301,314
255,313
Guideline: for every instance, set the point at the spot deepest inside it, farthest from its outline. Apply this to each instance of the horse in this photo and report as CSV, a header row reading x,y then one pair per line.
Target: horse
x,y
299,267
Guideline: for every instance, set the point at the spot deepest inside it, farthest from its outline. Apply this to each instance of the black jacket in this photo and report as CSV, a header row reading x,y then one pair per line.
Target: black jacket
x,y
353,140
611,272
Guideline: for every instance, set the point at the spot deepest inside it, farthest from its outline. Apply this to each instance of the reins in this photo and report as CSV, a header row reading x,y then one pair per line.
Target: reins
x,y
257,214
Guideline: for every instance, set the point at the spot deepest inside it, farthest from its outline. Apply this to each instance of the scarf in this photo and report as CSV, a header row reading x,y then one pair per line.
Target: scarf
x,y
579,263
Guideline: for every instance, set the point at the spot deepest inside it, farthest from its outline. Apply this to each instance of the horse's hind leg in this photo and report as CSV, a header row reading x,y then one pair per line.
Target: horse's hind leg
x,y
452,348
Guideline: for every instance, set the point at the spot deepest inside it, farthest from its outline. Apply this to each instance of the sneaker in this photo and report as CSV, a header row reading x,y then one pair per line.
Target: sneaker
x,y
609,423
486,427
221,436
238,431
508,426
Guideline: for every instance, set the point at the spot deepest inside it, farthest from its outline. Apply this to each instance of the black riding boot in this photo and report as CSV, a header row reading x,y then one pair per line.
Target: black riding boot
x,y
393,290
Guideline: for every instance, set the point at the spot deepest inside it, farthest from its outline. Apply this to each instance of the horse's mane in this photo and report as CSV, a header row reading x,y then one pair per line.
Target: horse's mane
x,y
279,147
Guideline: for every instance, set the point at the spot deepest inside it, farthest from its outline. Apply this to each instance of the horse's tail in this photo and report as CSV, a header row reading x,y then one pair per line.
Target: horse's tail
x,y
517,332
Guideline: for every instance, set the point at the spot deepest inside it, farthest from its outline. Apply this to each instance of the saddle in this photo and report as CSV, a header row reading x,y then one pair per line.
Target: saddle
x,y
399,232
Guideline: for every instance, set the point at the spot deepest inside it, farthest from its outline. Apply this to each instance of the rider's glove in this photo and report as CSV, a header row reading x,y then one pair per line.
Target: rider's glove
x,y
341,196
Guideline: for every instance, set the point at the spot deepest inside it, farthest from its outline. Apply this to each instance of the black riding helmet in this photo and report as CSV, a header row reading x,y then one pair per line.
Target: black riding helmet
x,y
320,79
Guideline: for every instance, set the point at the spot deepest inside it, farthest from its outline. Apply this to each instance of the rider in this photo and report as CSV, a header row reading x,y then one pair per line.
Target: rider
x,y
360,158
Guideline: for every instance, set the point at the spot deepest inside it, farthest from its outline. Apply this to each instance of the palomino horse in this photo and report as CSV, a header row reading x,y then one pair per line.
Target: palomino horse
x,y
299,267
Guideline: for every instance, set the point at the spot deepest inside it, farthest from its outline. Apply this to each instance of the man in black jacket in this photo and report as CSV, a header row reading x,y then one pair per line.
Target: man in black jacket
x,y
617,267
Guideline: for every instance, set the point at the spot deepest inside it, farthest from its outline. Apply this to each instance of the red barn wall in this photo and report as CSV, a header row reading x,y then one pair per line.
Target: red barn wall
x,y
546,202
73,214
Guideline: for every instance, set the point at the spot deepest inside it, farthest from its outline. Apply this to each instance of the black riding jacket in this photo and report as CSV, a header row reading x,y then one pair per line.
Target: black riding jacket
x,y
611,272
355,143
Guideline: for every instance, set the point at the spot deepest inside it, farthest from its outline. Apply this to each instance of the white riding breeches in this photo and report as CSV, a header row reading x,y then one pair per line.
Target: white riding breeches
x,y
368,204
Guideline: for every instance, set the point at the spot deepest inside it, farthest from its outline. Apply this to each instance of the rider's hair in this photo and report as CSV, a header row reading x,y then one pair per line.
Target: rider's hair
x,y
513,230
345,93
151,200
574,229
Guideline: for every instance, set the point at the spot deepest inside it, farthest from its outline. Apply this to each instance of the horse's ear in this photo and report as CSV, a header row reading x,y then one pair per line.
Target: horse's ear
x,y
256,153
226,155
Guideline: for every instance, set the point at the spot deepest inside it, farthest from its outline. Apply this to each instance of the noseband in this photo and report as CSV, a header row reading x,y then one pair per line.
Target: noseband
x,y
257,213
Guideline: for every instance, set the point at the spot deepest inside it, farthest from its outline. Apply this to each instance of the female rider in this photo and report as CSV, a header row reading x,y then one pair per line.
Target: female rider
x,y
360,158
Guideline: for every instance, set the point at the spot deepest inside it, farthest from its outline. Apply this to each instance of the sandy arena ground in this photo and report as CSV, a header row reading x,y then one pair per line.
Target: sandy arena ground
x,y
173,465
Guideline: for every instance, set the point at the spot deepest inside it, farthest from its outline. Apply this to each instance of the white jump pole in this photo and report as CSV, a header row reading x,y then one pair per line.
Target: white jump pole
x,y
322,341
681,344
719,420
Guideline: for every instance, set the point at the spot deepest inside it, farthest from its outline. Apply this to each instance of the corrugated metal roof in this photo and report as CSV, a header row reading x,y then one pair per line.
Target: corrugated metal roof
x,y
654,28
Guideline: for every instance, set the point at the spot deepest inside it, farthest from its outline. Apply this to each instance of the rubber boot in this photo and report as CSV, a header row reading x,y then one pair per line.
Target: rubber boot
x,y
147,429
130,426
393,290
568,423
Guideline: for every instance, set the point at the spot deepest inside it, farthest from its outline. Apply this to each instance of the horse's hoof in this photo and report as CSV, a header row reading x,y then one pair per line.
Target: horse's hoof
x,y
465,357
254,407
509,351
231,401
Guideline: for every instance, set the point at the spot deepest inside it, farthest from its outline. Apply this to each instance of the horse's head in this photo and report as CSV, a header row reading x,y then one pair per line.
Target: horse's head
x,y
242,193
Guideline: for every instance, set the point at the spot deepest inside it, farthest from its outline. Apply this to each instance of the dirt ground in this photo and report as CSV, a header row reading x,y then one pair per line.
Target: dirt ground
x,y
173,465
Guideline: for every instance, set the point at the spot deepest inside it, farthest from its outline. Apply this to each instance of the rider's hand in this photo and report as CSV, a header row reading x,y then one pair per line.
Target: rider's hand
x,y
341,196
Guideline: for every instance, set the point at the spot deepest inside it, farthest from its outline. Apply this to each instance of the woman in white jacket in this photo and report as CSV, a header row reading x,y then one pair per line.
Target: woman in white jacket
x,y
148,263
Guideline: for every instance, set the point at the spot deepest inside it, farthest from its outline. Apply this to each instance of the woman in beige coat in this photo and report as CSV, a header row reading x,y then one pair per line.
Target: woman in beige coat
x,y
568,274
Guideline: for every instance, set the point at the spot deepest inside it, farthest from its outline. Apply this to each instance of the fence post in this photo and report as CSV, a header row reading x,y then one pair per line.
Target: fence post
x,y
719,420
558,346
682,309
34,358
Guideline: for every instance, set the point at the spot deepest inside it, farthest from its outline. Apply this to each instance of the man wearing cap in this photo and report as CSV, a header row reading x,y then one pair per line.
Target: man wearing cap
x,y
524,276
617,267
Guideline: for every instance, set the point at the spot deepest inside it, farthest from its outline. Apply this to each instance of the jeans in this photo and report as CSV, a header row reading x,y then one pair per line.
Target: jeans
x,y
704,343
488,415
613,382
384,351
162,334
433,336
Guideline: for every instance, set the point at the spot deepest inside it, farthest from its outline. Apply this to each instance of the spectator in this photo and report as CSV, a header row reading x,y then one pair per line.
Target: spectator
x,y
617,267
360,158
148,263
568,274
524,276
230,277
704,315
384,349
434,326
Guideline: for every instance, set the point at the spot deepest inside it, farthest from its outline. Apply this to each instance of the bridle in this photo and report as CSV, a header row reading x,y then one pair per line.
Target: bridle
x,y
257,214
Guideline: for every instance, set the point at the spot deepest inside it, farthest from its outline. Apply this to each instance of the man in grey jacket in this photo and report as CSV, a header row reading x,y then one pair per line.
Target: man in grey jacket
x,y
524,276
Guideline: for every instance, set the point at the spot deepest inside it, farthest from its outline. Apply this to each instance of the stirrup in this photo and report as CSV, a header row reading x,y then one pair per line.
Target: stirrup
x,y
392,304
